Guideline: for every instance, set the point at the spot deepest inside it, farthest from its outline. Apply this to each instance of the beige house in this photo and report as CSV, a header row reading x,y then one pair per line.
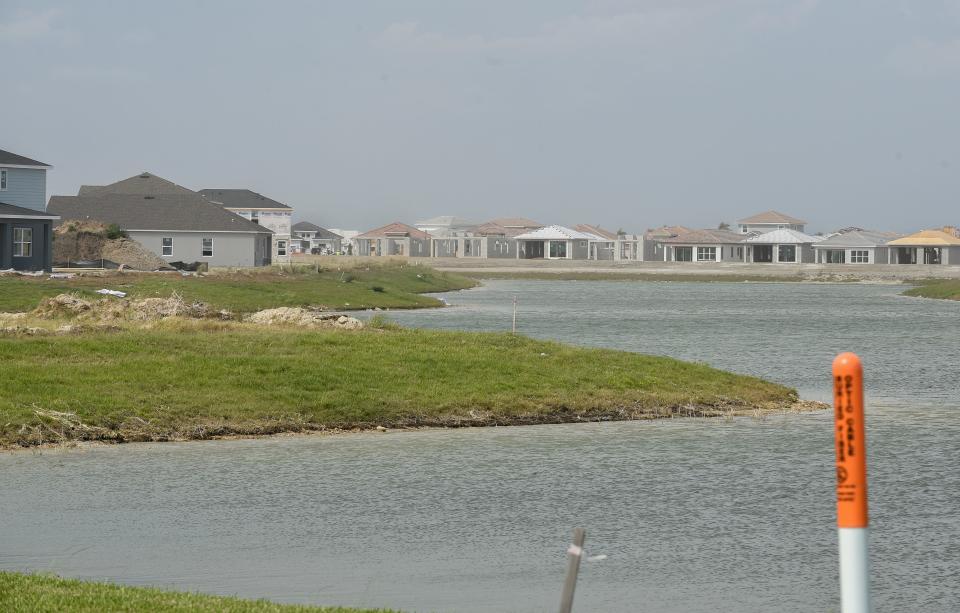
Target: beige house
x,y
704,246
394,239
934,247
769,221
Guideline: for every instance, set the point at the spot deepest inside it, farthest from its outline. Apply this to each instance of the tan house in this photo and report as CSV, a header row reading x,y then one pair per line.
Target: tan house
x,y
704,246
934,247
769,221
394,239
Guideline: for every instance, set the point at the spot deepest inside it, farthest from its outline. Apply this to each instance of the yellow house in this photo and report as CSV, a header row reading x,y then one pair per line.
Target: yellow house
x,y
926,247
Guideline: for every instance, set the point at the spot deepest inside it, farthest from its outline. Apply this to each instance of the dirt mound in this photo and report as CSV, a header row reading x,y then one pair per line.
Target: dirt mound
x,y
143,309
76,240
296,316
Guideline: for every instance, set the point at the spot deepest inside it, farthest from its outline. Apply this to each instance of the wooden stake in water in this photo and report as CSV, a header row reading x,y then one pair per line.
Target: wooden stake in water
x,y
514,314
574,554
851,448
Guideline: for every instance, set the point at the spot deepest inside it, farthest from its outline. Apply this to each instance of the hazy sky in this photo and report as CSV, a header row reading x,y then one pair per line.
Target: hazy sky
x,y
624,113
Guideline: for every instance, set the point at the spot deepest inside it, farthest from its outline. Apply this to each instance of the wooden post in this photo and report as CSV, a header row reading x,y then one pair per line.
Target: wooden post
x,y
514,314
574,554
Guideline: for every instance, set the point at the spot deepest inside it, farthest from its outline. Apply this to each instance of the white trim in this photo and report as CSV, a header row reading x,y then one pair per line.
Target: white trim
x,y
35,167
162,247
2,216
202,248
259,208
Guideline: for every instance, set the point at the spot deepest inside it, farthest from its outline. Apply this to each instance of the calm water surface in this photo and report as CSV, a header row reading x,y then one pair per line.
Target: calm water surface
x,y
694,515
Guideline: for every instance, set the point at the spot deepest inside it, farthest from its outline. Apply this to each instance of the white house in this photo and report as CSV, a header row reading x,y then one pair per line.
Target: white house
x,y
704,246
786,246
267,212
854,247
553,243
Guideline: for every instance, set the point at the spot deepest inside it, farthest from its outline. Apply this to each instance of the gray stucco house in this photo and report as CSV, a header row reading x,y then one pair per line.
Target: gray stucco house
x,y
310,236
174,222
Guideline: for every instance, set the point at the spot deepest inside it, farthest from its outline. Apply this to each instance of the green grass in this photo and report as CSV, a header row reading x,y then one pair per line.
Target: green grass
x,y
941,289
182,381
387,286
21,593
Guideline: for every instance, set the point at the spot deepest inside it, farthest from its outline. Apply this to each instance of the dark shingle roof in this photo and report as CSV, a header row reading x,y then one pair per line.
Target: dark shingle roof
x,y
10,210
175,211
306,226
241,199
143,184
7,157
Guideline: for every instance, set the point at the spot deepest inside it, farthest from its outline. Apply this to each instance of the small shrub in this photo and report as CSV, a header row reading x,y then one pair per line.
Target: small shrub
x,y
114,231
346,278
377,288
380,322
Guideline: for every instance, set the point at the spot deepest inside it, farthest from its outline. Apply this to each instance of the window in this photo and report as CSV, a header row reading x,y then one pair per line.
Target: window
x,y
255,216
22,242
166,246
281,247
3,179
836,256
859,257
787,253
206,247
706,254
683,254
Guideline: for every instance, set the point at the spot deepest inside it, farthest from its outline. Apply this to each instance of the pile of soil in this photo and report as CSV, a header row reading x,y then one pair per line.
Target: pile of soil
x,y
75,241
296,316
143,309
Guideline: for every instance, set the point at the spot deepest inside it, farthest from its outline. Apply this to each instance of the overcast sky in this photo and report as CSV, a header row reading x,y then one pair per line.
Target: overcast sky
x,y
629,114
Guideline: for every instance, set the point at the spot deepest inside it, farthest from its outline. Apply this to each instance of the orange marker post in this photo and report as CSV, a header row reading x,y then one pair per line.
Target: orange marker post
x,y
851,449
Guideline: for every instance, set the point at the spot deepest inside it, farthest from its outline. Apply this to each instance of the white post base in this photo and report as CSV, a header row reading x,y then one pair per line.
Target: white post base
x,y
854,570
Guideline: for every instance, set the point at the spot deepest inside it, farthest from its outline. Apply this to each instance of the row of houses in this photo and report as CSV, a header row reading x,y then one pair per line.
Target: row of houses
x,y
241,227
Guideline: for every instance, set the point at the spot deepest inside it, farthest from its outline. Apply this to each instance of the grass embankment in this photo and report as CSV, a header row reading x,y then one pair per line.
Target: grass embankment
x,y
940,289
20,593
183,380
393,286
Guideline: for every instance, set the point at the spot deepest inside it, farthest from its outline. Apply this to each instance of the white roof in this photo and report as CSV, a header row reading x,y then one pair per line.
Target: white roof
x,y
784,236
554,233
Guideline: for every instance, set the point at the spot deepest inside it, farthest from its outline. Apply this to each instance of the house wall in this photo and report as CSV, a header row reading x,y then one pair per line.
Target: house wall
x,y
603,250
762,228
578,250
723,253
26,187
876,255
229,248
42,256
499,247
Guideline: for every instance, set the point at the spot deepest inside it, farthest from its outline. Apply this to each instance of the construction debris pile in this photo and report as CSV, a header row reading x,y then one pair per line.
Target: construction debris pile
x,y
304,317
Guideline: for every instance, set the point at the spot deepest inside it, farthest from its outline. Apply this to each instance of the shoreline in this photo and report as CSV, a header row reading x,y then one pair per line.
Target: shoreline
x,y
477,419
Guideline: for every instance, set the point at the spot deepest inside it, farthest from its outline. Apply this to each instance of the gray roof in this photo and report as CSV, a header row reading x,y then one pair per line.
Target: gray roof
x,y
306,226
143,184
175,212
241,199
11,210
7,157
858,238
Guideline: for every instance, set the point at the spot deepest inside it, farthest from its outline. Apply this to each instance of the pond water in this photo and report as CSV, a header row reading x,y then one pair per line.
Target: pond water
x,y
692,514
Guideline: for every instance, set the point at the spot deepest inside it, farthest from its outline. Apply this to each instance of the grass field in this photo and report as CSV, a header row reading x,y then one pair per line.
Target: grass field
x,y
943,290
386,286
20,593
191,380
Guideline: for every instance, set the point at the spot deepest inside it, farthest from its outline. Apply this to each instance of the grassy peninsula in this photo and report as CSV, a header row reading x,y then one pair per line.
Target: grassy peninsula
x,y
391,285
201,379
22,593
948,289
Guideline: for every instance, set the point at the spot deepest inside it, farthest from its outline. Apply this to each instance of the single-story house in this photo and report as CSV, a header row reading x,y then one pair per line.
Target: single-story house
x,y
785,246
308,237
704,246
608,245
553,243
26,238
394,239
653,246
172,221
269,213
854,247
926,247
769,221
